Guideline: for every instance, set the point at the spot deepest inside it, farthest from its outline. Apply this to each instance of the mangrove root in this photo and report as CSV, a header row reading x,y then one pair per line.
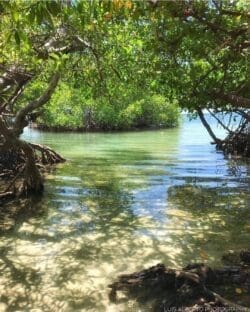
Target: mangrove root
x,y
47,155
237,143
189,289
22,168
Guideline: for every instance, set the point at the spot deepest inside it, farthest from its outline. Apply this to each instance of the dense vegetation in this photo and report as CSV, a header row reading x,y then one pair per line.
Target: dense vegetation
x,y
70,108
66,110
118,65
115,65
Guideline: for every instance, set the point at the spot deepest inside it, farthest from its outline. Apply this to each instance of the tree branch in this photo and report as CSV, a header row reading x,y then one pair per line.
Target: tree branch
x,y
4,130
13,98
236,100
219,121
37,103
206,125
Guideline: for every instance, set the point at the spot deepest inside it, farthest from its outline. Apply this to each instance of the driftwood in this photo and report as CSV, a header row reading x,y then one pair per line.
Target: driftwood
x,y
190,289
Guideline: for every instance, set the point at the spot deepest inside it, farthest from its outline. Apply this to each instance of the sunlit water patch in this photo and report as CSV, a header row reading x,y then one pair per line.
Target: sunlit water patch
x,y
122,202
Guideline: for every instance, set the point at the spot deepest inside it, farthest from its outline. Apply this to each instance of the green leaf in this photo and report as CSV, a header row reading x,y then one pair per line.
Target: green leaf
x,y
54,7
15,16
32,15
54,56
47,16
17,37
39,15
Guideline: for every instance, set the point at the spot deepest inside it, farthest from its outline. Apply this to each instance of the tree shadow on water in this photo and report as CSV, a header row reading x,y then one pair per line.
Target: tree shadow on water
x,y
213,220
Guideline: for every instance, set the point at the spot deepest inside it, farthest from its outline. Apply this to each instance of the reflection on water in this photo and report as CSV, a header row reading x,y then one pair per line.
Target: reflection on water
x,y
122,202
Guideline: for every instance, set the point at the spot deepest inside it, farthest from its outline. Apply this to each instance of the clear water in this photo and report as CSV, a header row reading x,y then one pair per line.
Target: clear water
x,y
122,202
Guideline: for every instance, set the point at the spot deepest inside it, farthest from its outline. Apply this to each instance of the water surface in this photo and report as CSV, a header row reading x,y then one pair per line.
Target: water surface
x,y
122,202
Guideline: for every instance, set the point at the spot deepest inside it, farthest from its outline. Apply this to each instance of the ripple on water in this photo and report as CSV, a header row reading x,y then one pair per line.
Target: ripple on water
x,y
121,203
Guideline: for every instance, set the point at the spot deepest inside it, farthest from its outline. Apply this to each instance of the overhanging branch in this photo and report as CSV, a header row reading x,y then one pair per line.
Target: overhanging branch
x,y
37,103
236,100
207,126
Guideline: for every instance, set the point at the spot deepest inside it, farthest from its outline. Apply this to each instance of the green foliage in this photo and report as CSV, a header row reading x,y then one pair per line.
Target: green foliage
x,y
65,110
150,111
70,109
139,58
131,115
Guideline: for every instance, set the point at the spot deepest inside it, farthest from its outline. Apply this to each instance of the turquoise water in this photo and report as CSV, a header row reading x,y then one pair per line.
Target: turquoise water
x,y
121,202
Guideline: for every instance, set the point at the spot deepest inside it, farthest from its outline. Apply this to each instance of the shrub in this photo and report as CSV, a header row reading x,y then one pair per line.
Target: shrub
x,y
69,108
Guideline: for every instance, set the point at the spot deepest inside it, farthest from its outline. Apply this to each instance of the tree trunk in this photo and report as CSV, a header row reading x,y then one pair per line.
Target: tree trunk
x,y
208,128
26,171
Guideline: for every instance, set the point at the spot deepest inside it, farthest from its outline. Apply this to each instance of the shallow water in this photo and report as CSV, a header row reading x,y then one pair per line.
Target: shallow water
x,y
122,202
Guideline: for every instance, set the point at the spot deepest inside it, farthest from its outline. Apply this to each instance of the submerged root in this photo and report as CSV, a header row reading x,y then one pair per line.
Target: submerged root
x,y
189,289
